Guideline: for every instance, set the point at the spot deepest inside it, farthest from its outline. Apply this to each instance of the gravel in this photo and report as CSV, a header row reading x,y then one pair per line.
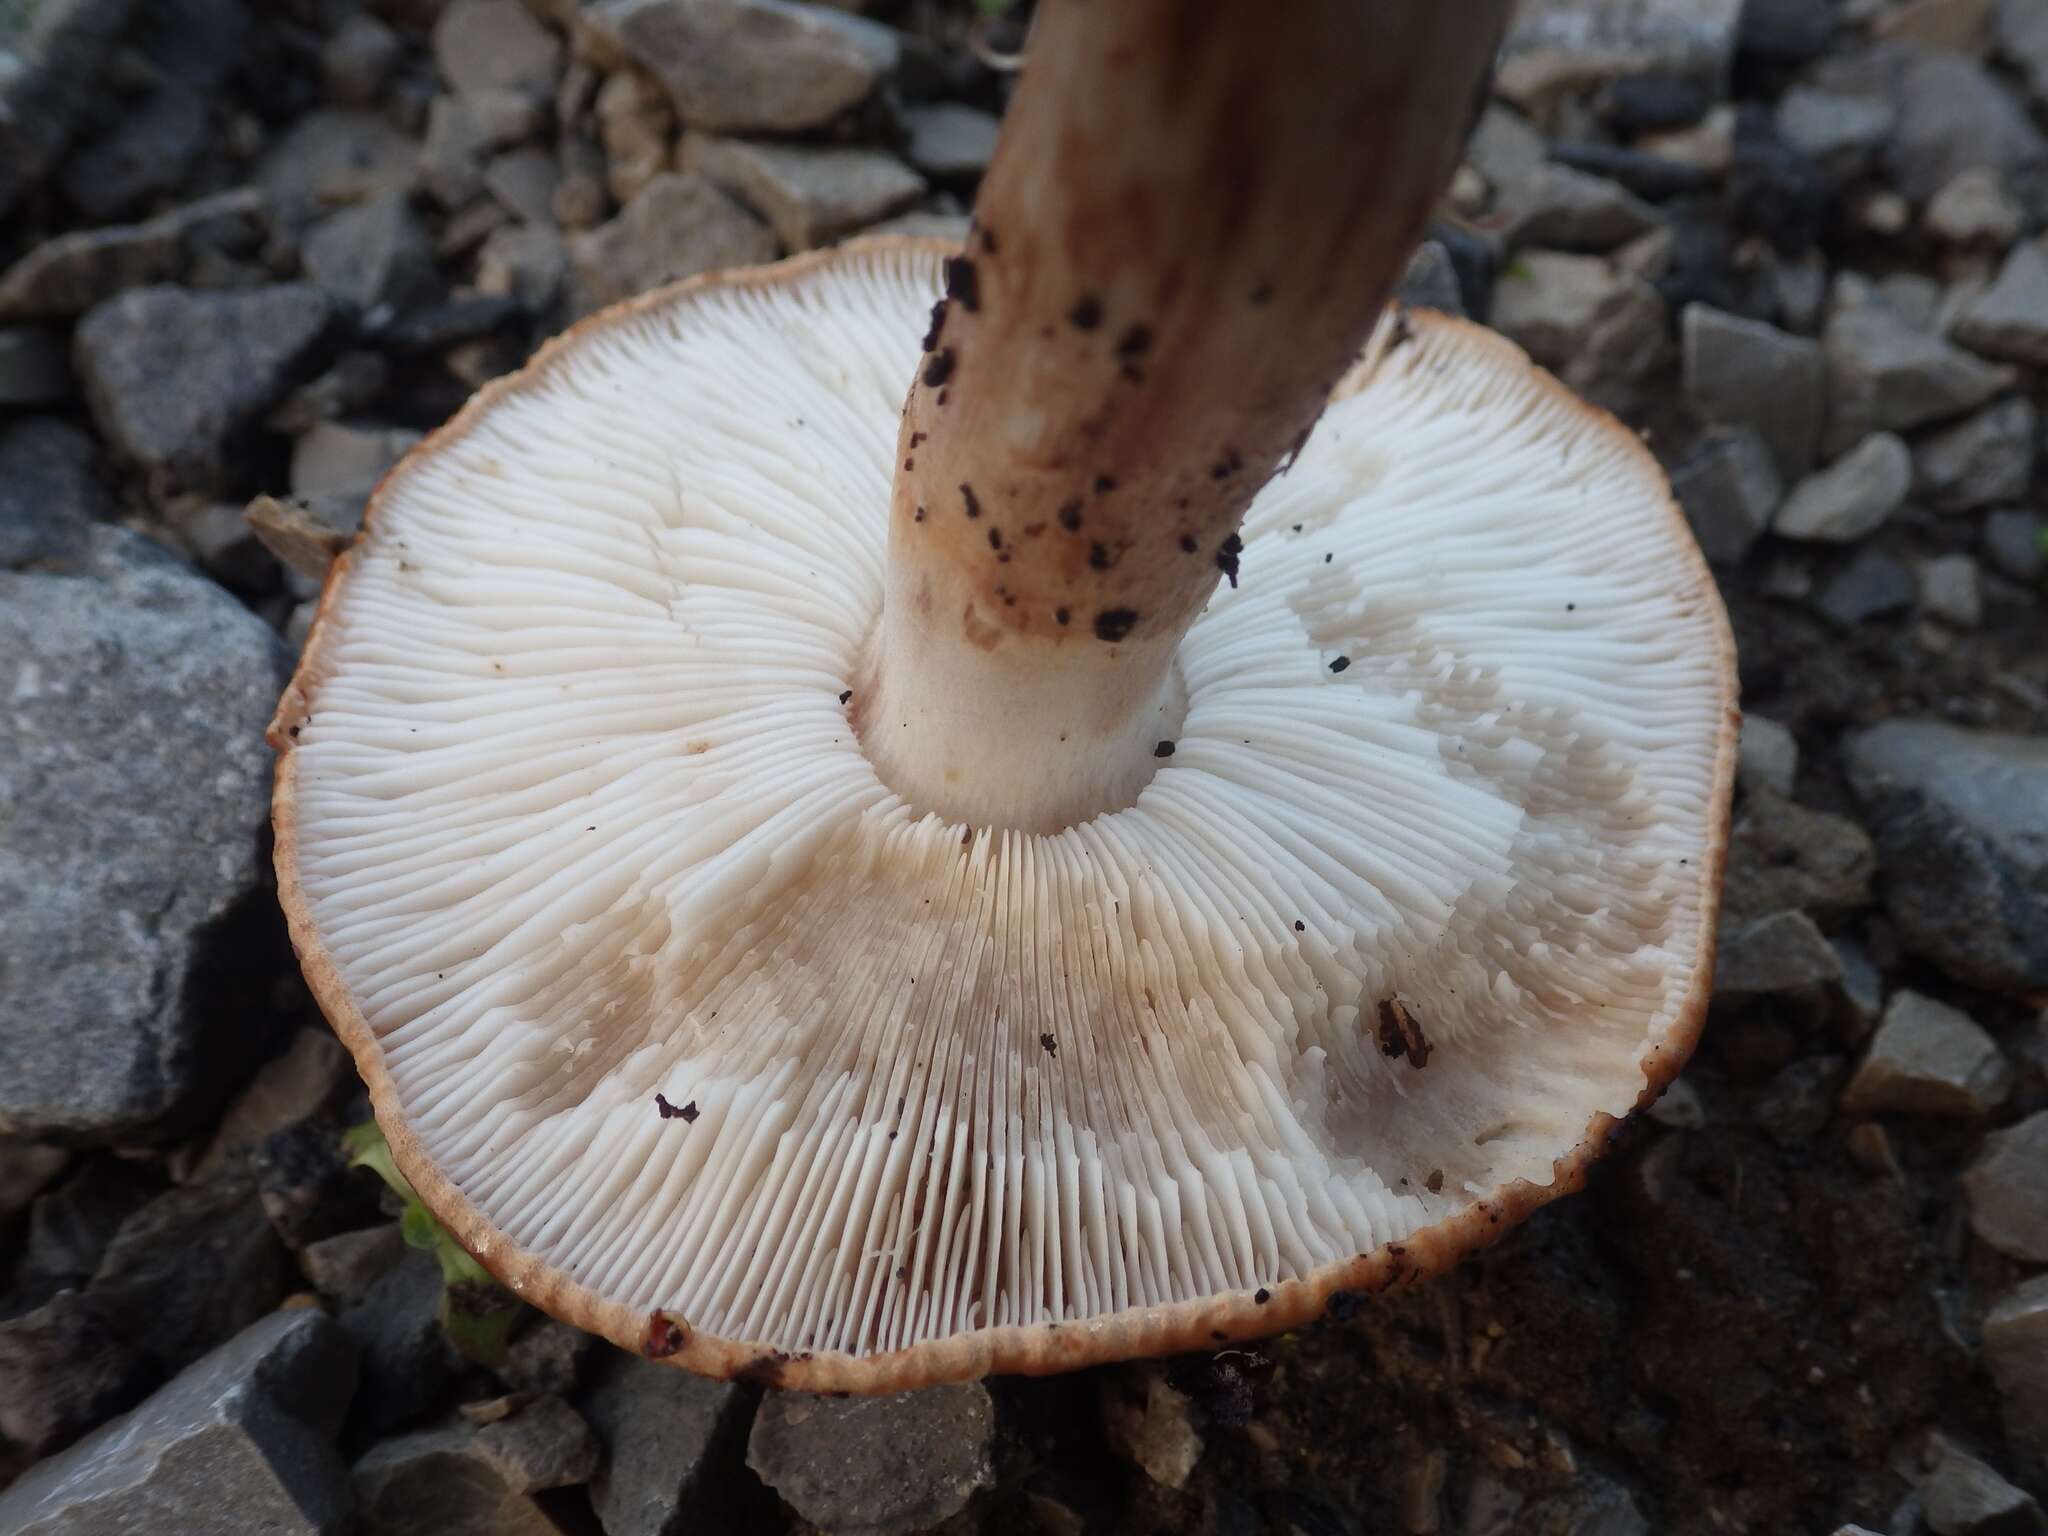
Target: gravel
x,y
1743,372
875,1464
670,1441
1929,1059
1852,497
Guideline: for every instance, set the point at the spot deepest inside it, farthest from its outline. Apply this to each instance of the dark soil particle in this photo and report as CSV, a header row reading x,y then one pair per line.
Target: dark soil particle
x,y
1188,546
1227,557
1049,1045
1262,1296
1340,664
1164,749
686,1113
1062,617
963,283
1300,926
665,1335
1100,558
931,335
970,501
1113,624
1134,343
1104,484
995,538
1070,516
1086,314
1400,1034
939,369
846,696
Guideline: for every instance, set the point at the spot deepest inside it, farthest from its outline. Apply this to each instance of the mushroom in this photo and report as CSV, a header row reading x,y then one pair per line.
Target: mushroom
x,y
1077,866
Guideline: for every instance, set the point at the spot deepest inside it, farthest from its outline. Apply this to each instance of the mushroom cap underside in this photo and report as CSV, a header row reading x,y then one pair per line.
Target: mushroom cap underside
x,y
699,1038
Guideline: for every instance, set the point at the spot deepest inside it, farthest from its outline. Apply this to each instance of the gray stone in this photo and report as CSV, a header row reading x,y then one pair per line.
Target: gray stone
x,y
669,1438
1862,991
372,255
357,60
27,1168
1928,1059
247,1429
1955,116
147,151
1963,1497
1951,590
2010,318
1783,952
1852,497
1766,757
292,1086
1975,209
2020,28
1981,461
1151,1423
875,1464
50,57
1783,857
638,127
809,196
174,377
333,156
35,367
1887,376
1840,133
346,1265
70,274
337,456
126,1040
496,45
1431,282
462,134
1744,373
751,66
948,141
2008,1190
49,499
1504,148
523,181
459,1479
2016,1354
408,1363
1567,210
1601,330
548,1357
2017,544
1555,47
678,226
529,262
1872,585
1730,489
1958,817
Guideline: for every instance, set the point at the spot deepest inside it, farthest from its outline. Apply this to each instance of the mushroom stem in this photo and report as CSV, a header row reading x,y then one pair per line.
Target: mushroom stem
x,y
1197,210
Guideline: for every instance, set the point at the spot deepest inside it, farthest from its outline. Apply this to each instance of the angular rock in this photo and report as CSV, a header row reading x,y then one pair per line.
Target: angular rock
x,y
1151,1424
1766,758
1951,590
70,274
2008,1190
1852,497
347,456
174,377
1730,490
306,536
1784,952
523,181
457,1479
496,45
1929,1059
1431,281
1975,209
71,1226
64,1368
2021,30
2016,1354
1887,376
50,57
528,262
1872,585
678,226
357,60
1599,329
1956,116
372,254
1567,210
407,1363
129,1040
1981,461
1671,166
1957,816
49,499
27,1168
289,1088
751,66
462,133
333,156
2010,318
948,141
1839,133
1504,148
348,1264
1745,373
2017,544
249,1428
809,196
1558,46
549,1357
1774,190
877,1463
1963,1497
669,1438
